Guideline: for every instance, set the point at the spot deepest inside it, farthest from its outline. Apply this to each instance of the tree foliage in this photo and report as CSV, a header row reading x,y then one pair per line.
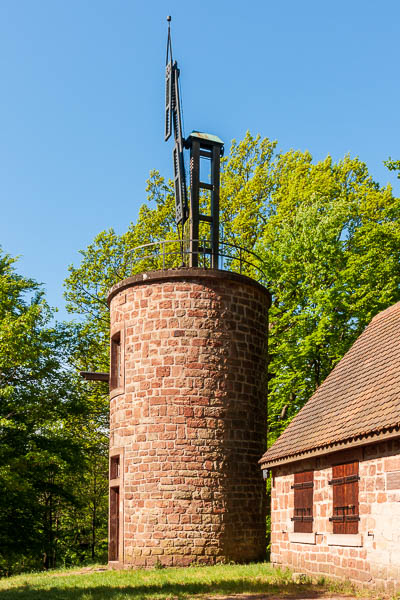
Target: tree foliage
x,y
331,249
393,165
45,429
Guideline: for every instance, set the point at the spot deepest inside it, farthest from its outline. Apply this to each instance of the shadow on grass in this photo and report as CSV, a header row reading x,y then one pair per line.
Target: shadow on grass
x,y
167,591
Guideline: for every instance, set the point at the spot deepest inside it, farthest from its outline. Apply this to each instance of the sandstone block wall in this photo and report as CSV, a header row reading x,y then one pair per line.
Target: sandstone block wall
x,y
188,419
373,556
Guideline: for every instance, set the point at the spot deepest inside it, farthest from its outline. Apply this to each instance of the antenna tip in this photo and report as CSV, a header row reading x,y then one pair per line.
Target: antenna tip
x,y
169,18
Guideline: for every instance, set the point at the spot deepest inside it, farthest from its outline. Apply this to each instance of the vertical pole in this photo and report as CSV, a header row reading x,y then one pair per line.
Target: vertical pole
x,y
194,202
215,168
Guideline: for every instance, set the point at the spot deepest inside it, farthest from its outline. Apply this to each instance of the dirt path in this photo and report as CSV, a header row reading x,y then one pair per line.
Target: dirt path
x,y
305,596
83,571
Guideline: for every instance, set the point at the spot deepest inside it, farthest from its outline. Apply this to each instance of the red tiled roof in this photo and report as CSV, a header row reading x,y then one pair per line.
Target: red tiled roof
x,y
359,397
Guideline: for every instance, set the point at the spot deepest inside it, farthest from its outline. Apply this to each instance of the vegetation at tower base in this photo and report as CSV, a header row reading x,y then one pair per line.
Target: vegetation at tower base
x,y
251,581
329,237
53,458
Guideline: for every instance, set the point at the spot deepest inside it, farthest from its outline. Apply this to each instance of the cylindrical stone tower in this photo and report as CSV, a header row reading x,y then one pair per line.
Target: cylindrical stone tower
x,y
187,418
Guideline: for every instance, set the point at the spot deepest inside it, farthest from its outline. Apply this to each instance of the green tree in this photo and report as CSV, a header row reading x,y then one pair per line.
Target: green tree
x,y
44,416
331,249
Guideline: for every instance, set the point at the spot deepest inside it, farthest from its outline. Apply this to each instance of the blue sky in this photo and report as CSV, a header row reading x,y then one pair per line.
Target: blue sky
x,y
82,97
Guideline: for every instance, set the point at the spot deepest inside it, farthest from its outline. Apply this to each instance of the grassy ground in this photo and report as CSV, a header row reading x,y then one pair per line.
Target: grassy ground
x,y
256,580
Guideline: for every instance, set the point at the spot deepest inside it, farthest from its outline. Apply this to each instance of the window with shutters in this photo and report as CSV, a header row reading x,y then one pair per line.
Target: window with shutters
x,y
303,501
344,481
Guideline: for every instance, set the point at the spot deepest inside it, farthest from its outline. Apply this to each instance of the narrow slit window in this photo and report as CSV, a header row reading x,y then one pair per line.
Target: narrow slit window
x,y
113,545
303,488
345,515
114,467
116,366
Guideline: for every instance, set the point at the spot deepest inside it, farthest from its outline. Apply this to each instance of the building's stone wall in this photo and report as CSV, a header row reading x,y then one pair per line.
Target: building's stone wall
x,y
189,419
375,558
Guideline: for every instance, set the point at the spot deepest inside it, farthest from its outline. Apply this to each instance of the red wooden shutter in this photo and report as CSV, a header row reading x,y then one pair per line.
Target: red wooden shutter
x,y
303,501
351,497
345,498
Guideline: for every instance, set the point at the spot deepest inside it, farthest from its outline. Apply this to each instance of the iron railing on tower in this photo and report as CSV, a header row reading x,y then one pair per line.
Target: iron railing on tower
x,y
175,254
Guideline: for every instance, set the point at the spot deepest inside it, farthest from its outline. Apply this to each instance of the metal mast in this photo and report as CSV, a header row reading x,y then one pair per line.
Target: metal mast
x,y
202,146
173,121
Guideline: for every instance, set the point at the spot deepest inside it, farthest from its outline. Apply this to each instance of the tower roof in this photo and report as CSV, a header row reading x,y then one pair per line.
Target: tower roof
x,y
358,403
207,137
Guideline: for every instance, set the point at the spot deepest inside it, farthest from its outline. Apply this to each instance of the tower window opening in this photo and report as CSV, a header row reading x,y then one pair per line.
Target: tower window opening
x,y
113,546
116,365
114,467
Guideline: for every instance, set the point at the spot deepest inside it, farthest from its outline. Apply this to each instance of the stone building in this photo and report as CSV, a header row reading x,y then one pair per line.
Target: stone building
x,y
336,468
187,417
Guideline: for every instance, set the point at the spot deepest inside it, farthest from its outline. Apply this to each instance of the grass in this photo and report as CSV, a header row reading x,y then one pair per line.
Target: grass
x,y
163,584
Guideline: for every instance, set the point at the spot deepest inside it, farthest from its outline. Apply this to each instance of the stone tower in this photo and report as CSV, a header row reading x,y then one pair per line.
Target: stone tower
x,y
187,417
188,381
